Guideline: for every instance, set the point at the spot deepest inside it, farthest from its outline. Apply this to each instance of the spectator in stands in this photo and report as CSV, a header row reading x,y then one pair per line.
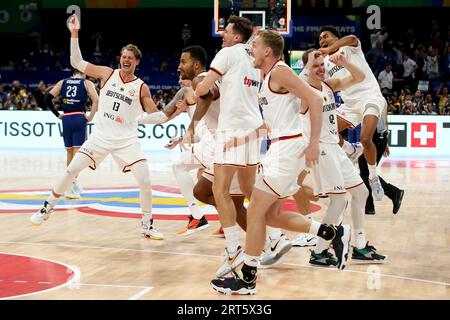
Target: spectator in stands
x,y
374,55
407,107
431,66
409,69
97,39
429,102
386,77
378,36
418,100
39,95
394,106
447,63
3,96
442,96
163,66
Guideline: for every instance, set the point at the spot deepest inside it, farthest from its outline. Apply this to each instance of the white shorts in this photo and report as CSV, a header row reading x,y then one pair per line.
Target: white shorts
x,y
124,156
281,166
203,151
247,154
235,189
335,173
354,114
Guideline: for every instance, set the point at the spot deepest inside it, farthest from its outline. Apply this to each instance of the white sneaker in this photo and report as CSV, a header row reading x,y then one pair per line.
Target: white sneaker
x,y
377,189
149,231
42,215
304,240
273,252
358,150
73,192
231,262
77,187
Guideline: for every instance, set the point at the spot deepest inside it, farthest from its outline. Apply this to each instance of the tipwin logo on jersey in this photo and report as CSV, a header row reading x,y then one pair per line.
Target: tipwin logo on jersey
x,y
423,135
250,82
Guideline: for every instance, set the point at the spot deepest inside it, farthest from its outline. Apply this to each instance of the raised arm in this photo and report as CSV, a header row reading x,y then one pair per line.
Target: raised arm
x,y
49,96
356,75
92,93
207,83
76,59
351,41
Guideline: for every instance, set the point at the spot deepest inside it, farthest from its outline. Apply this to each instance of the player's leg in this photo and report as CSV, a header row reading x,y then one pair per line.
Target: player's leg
x,y
181,169
141,173
79,162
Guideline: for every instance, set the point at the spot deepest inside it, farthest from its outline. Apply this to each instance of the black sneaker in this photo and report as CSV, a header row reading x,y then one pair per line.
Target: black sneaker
x,y
368,254
340,244
323,259
234,285
370,210
397,201
194,225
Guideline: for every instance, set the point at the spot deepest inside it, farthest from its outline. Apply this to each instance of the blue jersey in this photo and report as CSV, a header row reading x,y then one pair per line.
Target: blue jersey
x,y
74,94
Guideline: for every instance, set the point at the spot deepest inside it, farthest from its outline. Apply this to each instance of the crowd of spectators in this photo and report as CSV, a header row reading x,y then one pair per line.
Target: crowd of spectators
x,y
413,72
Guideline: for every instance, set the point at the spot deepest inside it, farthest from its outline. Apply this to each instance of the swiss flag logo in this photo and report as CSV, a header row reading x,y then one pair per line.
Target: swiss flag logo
x,y
423,135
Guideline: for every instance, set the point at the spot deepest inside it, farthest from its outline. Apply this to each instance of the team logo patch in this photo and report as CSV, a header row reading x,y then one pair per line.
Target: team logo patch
x,y
131,92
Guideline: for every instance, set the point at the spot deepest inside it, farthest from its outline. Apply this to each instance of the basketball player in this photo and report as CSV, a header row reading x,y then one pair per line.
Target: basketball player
x,y
363,103
335,174
282,164
239,116
123,97
74,92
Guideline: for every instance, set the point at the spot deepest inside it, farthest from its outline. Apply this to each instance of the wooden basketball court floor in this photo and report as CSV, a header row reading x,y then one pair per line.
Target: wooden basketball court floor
x,y
105,257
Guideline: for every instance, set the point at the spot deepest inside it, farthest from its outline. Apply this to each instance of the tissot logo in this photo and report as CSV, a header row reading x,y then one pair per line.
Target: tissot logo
x,y
398,134
423,135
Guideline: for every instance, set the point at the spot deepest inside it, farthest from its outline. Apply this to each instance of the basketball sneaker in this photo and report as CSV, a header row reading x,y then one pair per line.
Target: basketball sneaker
x,y
397,200
74,192
149,231
358,150
231,262
235,285
194,225
304,240
273,252
368,254
42,215
323,259
377,189
341,243
218,233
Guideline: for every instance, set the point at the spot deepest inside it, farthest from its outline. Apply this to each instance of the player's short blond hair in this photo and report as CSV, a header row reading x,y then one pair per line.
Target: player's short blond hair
x,y
273,40
133,48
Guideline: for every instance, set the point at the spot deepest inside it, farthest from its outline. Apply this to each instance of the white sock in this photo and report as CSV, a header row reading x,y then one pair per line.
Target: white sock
x,y
314,228
273,233
146,216
52,200
372,171
348,147
251,261
360,238
186,182
359,197
333,215
232,238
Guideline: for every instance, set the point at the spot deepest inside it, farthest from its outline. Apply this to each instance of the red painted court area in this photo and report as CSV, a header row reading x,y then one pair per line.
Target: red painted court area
x,y
21,275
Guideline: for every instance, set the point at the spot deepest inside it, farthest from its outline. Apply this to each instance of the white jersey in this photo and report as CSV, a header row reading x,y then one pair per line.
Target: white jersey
x,y
367,89
119,107
329,132
238,89
280,110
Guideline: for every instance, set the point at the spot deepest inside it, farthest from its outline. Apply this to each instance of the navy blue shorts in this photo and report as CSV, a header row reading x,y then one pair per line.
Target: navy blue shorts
x,y
74,129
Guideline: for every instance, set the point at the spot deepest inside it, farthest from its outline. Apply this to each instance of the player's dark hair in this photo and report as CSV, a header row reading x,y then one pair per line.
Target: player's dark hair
x,y
242,26
331,29
197,53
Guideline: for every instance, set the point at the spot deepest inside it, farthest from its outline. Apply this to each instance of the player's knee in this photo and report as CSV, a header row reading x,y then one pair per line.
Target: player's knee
x,y
366,141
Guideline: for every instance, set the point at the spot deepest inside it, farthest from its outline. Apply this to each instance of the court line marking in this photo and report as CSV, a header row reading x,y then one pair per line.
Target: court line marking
x,y
215,256
141,293
136,296
75,278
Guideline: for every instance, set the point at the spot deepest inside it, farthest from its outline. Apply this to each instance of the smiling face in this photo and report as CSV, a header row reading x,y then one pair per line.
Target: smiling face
x,y
326,39
128,61
229,36
186,66
316,66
